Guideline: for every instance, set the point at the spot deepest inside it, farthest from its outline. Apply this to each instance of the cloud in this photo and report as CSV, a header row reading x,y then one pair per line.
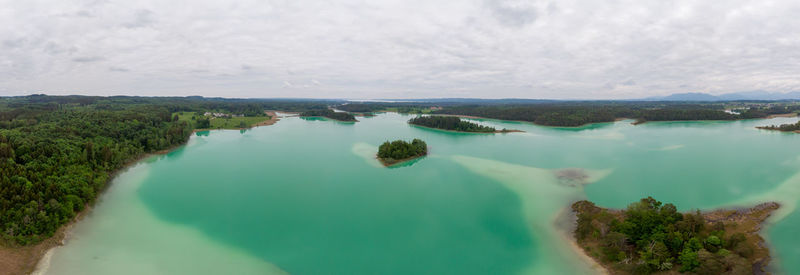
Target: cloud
x,y
567,49
512,12
142,18
118,69
87,59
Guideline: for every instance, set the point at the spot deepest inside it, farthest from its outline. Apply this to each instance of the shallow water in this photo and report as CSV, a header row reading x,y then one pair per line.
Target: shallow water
x,y
307,197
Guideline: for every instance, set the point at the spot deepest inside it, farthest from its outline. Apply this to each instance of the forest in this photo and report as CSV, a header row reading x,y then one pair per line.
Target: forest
x,y
340,116
399,150
650,237
57,153
450,123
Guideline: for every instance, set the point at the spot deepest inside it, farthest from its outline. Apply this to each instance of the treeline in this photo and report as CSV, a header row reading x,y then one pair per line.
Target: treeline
x,y
450,123
580,114
341,116
783,127
542,114
58,152
392,152
651,237
59,160
361,107
577,113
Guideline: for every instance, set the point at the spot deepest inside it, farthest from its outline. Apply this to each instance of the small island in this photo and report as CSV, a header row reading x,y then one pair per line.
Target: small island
x,y
650,237
451,123
328,113
391,153
783,127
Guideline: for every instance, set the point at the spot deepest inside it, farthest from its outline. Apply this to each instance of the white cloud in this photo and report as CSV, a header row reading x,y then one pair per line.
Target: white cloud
x,y
395,49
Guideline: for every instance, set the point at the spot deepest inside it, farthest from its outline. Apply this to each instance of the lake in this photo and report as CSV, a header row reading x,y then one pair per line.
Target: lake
x,y
306,196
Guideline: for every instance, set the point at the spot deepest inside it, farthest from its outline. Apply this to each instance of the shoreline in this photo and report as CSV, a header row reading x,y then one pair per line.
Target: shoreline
x,y
26,259
400,161
568,221
766,128
455,131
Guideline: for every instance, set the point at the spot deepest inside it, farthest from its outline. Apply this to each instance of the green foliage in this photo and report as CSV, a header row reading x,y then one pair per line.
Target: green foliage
x,y
203,123
689,260
341,116
400,149
649,236
450,123
52,166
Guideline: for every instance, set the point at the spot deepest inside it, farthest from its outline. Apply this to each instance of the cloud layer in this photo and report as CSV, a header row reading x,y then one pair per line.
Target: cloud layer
x,y
563,49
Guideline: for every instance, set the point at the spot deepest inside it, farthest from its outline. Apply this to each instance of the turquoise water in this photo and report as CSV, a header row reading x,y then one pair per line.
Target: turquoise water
x,y
308,197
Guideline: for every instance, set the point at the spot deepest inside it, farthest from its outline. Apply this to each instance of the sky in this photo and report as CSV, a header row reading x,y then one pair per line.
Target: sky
x,y
561,49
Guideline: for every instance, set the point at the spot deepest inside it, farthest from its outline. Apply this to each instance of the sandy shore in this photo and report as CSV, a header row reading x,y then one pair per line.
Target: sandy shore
x,y
565,225
782,115
273,118
17,259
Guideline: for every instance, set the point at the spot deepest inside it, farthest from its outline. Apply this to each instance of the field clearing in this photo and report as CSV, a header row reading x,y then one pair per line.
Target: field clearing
x,y
222,122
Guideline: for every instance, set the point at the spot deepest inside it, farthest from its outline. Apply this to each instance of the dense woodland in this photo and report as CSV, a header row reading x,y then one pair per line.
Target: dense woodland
x,y
649,237
396,151
450,123
58,152
341,116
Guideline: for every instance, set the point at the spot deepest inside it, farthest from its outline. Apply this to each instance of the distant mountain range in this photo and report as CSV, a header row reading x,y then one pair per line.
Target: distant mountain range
x,y
754,95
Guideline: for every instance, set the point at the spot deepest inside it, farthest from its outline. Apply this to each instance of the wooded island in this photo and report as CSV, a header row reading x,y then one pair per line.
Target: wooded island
x,y
650,237
390,153
452,123
340,116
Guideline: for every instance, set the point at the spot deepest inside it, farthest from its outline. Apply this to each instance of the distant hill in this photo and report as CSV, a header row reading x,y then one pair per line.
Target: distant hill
x,y
753,95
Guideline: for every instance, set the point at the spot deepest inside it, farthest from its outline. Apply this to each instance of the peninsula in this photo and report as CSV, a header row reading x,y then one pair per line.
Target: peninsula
x,y
391,153
783,127
650,237
328,113
451,123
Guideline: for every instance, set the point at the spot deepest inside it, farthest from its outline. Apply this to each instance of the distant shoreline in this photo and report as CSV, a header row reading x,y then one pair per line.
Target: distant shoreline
x,y
637,122
455,131
349,121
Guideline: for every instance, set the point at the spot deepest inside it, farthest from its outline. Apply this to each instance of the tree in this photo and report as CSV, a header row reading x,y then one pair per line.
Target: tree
x,y
689,260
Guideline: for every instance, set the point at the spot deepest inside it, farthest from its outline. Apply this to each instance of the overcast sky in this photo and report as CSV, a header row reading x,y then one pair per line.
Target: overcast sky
x,y
564,49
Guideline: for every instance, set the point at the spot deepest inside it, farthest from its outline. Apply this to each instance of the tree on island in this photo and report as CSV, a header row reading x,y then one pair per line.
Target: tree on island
x,y
450,123
399,150
341,116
